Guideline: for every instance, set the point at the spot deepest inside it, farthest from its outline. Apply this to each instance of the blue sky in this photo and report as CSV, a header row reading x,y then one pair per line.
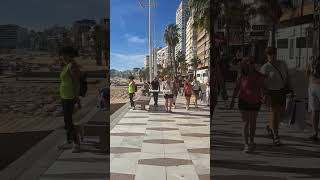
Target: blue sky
x,y
40,14
128,30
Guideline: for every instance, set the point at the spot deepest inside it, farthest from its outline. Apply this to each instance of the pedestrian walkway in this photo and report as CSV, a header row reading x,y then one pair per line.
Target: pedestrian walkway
x,y
155,145
296,159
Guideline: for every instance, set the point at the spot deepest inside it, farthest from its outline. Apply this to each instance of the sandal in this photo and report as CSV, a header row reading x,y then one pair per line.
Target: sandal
x,y
276,141
270,132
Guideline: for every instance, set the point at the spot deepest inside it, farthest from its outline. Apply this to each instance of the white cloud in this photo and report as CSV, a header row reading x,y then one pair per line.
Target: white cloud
x,y
135,39
123,61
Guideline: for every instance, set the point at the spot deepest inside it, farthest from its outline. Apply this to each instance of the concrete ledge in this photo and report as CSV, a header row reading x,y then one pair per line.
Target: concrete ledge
x,y
33,163
116,116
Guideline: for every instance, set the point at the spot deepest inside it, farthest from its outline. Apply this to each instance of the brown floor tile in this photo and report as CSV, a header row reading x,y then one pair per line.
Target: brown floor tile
x,y
204,177
165,162
162,120
200,150
192,125
132,124
196,135
163,141
162,129
127,134
120,150
118,176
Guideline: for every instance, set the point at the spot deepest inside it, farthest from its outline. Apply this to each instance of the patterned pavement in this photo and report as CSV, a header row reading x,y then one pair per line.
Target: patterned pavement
x,y
156,145
297,159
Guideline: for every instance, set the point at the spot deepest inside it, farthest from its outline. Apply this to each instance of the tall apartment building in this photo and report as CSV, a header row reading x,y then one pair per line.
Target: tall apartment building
x,y
203,48
79,28
191,41
13,36
163,56
182,16
146,61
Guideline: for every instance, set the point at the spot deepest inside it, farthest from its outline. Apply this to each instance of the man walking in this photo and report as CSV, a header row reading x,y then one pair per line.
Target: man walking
x,y
155,85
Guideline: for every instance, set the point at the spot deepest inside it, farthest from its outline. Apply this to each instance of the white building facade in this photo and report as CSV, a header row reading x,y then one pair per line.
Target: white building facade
x,y
191,41
163,56
182,16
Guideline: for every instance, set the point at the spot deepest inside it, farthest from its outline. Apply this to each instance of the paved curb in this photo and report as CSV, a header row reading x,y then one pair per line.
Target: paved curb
x,y
116,116
40,157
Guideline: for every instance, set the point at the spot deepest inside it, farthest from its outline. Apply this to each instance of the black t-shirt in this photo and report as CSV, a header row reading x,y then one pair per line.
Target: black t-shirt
x,y
155,85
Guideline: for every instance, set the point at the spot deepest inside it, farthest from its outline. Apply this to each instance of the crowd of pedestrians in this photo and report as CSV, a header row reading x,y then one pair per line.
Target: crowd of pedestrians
x,y
270,85
171,89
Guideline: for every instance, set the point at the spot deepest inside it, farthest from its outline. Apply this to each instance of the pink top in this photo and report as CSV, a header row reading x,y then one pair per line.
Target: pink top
x,y
251,88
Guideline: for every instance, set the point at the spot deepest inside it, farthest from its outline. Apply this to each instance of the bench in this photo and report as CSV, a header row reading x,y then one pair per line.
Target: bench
x,y
93,122
143,101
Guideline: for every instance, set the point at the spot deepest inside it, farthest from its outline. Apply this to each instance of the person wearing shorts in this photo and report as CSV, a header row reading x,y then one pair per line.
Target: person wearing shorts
x,y
196,90
168,87
277,86
187,93
249,90
312,74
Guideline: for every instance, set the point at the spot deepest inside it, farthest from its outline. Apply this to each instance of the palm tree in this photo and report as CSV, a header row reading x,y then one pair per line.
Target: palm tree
x,y
243,13
273,10
181,59
171,38
97,43
194,62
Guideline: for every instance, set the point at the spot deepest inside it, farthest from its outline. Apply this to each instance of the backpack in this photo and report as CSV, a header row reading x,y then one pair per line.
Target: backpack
x,y
188,89
196,86
315,68
83,84
102,99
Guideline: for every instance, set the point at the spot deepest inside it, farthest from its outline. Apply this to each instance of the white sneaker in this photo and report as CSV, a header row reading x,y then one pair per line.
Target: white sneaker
x,y
65,145
246,148
76,148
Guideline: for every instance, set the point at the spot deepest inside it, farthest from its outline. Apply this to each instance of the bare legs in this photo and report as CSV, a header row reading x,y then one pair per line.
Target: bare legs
x,y
187,103
249,119
315,122
275,120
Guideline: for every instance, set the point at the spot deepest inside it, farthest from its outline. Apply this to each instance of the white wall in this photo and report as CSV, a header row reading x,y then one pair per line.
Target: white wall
x,y
292,33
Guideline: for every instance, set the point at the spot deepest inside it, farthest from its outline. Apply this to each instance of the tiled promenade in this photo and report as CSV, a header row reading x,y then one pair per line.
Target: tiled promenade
x,y
155,145
297,159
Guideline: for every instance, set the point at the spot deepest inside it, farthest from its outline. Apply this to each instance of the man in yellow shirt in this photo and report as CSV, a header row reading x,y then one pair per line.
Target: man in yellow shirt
x,y
131,90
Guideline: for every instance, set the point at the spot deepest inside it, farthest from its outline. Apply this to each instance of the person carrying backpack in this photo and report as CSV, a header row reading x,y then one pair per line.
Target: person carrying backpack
x,y
69,93
187,93
249,90
196,90
132,88
168,95
313,75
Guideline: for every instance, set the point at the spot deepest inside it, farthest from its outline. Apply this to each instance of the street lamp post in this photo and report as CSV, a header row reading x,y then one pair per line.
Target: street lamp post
x,y
152,64
316,26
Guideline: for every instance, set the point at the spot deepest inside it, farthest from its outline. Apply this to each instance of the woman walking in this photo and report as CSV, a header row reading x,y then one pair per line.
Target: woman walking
x,y
249,90
176,88
196,91
187,93
313,75
168,95
69,93
277,87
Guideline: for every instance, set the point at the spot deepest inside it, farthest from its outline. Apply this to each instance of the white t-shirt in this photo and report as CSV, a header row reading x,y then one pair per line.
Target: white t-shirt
x,y
274,80
195,85
168,87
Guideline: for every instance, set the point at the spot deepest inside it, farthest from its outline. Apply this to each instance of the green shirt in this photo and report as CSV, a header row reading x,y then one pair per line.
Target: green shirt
x,y
131,88
66,85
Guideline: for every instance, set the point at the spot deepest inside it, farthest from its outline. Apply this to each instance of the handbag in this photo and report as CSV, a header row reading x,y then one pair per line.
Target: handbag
x,y
286,88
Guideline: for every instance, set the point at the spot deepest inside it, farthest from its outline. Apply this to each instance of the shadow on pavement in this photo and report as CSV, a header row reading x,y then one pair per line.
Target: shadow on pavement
x,y
247,177
252,166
